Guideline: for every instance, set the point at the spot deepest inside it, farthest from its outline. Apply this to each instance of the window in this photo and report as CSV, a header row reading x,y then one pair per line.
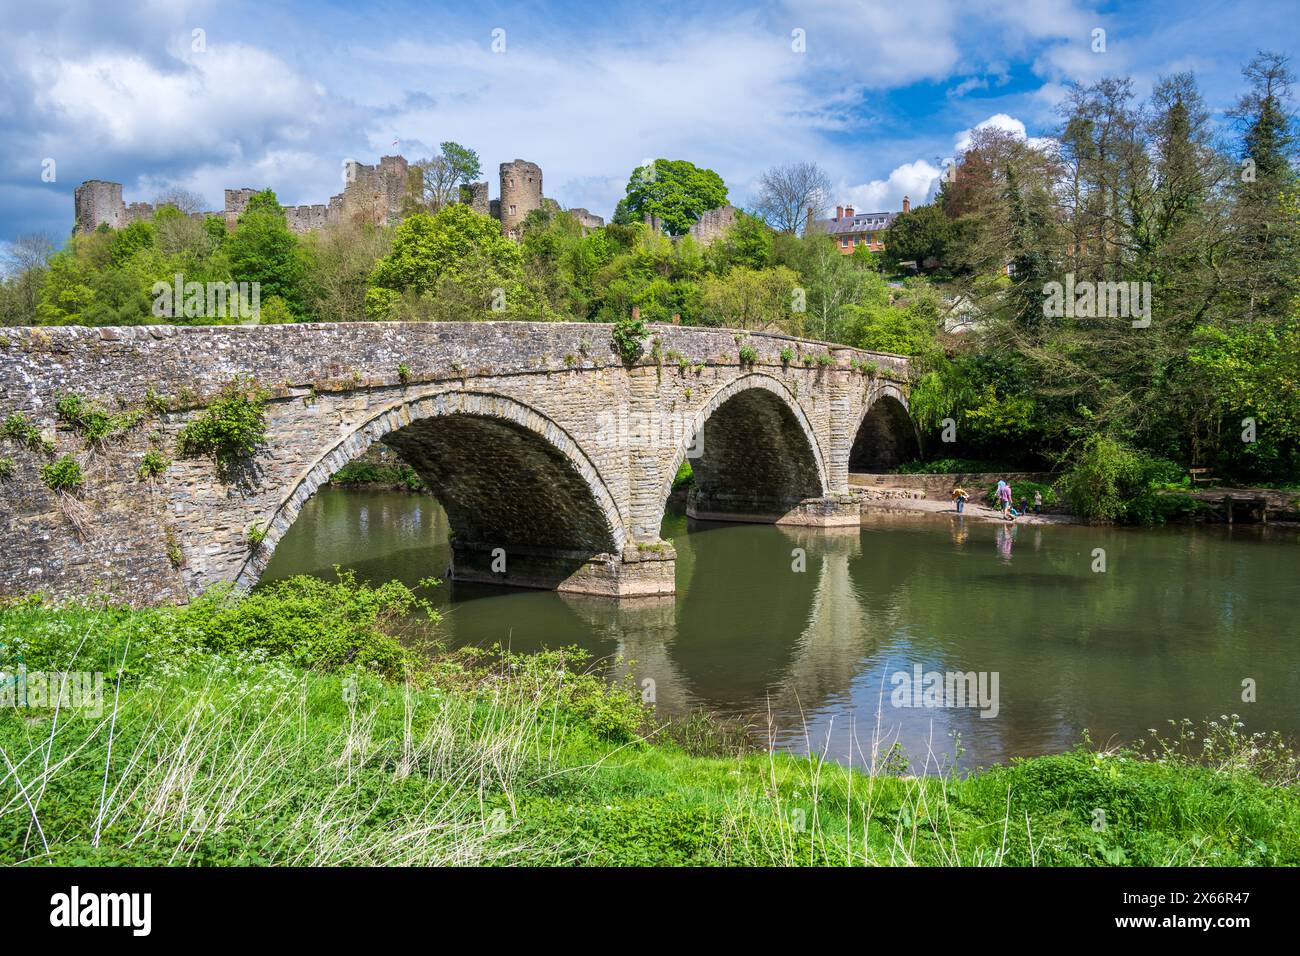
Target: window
x,y
844,242
512,209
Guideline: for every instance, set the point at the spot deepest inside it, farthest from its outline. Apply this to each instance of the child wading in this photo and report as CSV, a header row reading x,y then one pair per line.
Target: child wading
x,y
960,496
1038,502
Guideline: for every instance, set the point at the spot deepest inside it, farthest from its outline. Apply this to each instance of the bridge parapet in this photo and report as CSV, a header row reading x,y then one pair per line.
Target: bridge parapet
x,y
553,404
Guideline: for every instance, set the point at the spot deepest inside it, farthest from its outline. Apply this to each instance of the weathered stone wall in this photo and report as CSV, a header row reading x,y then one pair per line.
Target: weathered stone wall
x,y
236,203
306,218
589,220
713,223
532,433
376,194
940,486
97,201
479,200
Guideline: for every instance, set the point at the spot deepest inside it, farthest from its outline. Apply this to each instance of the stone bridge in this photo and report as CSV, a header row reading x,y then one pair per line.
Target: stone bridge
x,y
553,459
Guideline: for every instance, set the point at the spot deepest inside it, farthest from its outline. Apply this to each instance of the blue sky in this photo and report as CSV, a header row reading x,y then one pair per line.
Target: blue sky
x,y
283,93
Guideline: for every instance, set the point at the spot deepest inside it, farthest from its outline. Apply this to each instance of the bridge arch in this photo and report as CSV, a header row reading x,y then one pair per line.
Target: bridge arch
x,y
758,454
885,436
508,477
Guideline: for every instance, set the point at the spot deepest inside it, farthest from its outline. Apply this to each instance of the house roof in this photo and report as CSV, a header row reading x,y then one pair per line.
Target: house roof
x,y
858,222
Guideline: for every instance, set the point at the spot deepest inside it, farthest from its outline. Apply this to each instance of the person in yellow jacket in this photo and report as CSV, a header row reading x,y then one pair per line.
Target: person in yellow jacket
x,y
960,496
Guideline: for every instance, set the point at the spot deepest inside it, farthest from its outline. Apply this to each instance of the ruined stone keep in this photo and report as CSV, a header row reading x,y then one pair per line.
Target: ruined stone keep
x,y
372,194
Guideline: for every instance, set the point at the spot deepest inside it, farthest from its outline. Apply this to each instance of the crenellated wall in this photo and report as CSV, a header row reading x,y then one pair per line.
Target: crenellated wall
x,y
379,194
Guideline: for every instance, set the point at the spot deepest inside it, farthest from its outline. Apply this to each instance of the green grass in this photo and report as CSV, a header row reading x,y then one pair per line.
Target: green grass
x,y
292,727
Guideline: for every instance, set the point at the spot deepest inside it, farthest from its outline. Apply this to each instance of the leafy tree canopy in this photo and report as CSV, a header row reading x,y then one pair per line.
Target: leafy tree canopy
x,y
675,191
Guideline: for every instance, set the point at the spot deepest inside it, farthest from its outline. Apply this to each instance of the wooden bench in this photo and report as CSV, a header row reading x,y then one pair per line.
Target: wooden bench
x,y
1202,476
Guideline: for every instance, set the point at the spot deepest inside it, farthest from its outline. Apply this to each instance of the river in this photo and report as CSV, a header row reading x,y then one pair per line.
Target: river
x,y
837,657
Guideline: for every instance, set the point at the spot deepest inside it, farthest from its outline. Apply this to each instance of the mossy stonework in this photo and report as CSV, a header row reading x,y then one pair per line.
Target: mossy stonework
x,y
553,458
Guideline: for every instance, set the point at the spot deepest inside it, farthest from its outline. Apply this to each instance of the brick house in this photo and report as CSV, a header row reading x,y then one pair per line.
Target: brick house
x,y
851,229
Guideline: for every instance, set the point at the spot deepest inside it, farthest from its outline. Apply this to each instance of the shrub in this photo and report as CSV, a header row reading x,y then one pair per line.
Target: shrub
x,y
231,429
1112,482
256,534
1105,473
629,335
89,419
63,475
6,469
748,355
403,373
948,466
787,355
368,473
153,464
155,402
317,624
824,358
17,428
1023,491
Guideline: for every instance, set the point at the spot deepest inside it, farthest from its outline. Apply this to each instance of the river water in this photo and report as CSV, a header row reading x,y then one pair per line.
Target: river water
x,y
850,655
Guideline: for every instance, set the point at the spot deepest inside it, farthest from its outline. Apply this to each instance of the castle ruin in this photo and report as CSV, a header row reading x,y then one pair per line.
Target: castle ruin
x,y
379,194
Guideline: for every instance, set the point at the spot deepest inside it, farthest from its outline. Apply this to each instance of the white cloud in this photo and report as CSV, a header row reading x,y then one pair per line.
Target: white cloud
x,y
961,142
733,100
967,85
877,45
124,101
122,97
916,180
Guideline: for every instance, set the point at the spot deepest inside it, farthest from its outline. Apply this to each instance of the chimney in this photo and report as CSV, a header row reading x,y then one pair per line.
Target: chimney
x,y
907,204
848,211
808,224
839,213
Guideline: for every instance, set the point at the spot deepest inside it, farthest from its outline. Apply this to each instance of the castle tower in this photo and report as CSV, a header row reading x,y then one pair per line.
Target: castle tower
x,y
97,202
395,186
236,203
521,193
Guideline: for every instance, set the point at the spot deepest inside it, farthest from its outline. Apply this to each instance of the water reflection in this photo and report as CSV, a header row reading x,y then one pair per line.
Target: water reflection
x,y
1171,629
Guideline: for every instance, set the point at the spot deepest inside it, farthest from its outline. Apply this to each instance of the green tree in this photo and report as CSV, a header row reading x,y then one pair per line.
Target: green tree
x,y
454,265
748,298
674,191
262,249
443,177
1266,231
922,235
341,258
747,242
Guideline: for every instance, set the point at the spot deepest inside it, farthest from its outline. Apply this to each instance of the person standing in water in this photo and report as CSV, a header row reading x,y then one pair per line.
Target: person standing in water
x,y
960,496
1004,498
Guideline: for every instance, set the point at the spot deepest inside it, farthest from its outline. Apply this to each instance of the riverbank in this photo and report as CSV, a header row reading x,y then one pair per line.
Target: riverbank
x,y
974,510
930,494
295,726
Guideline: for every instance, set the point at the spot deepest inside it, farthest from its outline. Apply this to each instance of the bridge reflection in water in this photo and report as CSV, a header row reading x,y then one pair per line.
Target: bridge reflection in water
x,y
815,652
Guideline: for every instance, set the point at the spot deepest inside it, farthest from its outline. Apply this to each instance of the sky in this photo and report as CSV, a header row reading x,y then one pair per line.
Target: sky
x,y
203,95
